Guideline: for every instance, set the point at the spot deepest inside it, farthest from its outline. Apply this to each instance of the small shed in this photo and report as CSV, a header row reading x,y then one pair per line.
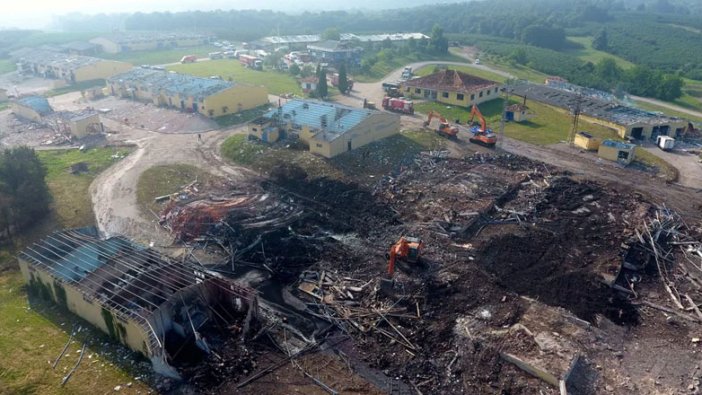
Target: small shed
x,y
586,141
517,113
309,84
617,151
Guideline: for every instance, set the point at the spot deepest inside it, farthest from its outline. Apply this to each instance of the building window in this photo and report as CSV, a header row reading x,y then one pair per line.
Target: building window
x,y
254,129
472,97
407,89
444,95
623,155
480,94
488,92
417,90
319,145
225,109
460,96
210,113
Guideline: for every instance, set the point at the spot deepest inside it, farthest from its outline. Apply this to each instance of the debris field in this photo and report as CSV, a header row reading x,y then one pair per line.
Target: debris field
x,y
530,281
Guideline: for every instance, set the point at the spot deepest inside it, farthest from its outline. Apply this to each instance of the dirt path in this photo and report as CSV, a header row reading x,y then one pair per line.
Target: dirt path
x,y
114,191
668,106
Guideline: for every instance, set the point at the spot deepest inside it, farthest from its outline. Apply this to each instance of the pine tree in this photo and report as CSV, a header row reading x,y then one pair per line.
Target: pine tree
x,y
322,89
343,83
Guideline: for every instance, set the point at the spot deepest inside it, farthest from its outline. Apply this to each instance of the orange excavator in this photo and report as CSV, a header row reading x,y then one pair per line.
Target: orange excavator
x,y
444,128
407,249
481,134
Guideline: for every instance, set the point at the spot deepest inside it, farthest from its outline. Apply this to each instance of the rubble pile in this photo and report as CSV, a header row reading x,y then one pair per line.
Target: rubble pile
x,y
524,268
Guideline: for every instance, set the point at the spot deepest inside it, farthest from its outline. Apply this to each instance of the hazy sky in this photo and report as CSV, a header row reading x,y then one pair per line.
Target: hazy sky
x,y
37,13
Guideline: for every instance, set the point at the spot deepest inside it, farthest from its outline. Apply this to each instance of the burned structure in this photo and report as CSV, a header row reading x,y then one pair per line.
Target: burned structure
x,y
152,305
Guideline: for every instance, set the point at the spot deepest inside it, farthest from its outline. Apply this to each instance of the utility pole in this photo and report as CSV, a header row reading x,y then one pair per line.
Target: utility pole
x,y
576,117
501,136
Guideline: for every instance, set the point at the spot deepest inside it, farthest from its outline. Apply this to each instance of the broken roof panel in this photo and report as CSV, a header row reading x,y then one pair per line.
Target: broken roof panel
x,y
591,103
37,103
451,81
58,59
333,119
172,83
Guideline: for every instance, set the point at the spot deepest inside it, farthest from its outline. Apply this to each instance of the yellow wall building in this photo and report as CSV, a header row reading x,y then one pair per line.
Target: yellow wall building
x,y
84,124
69,68
129,292
617,151
451,87
124,42
32,108
328,129
209,97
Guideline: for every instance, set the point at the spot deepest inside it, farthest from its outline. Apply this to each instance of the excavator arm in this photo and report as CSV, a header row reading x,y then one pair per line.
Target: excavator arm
x,y
475,111
391,260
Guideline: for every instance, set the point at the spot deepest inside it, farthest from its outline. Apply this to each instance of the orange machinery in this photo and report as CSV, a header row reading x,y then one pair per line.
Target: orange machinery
x,y
407,249
481,134
444,128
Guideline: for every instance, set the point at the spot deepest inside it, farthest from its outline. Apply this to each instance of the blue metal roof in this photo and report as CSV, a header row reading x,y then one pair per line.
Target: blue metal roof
x,y
72,258
332,119
37,103
172,83
618,145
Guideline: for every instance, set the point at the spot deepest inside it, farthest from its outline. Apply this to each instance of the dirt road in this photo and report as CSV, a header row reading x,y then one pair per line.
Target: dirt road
x,y
114,191
668,106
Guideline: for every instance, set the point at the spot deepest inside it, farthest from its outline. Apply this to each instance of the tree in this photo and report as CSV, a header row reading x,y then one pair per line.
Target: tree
x,y
544,36
24,195
331,33
670,88
294,69
438,44
343,83
519,56
608,71
322,89
601,41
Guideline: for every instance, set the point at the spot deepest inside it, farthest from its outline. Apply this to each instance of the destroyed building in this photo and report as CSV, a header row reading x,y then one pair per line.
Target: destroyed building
x,y
209,97
32,108
329,129
69,68
601,109
150,304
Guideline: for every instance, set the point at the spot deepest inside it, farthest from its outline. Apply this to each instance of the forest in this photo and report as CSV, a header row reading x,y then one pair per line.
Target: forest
x,y
664,37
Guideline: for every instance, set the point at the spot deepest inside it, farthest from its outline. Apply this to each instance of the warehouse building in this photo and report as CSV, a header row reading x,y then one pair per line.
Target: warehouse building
x,y
601,109
335,52
209,97
151,305
69,68
124,42
31,108
451,87
328,129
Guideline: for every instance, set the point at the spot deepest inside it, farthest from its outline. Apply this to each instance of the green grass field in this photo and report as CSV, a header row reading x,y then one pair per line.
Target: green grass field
x,y
548,126
384,67
165,180
426,70
589,54
362,165
667,111
160,57
6,66
31,337
276,82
